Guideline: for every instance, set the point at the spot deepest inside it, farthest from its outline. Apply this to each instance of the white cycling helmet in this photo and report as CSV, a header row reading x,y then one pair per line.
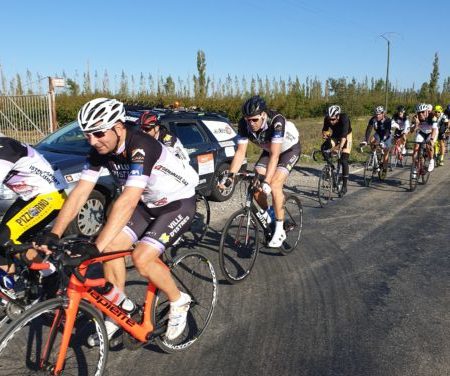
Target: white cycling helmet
x,y
421,107
378,110
430,107
334,111
100,114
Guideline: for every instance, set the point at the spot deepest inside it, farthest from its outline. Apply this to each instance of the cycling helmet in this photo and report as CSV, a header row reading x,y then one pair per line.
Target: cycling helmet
x,y
430,107
334,111
100,114
254,106
148,120
438,108
401,108
378,110
421,107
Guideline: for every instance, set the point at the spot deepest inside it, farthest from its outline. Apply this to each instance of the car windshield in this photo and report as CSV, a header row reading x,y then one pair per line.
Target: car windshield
x,y
68,140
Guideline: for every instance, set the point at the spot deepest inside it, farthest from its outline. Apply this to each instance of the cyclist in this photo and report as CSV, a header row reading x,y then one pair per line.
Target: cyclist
x,y
426,131
442,122
41,196
383,126
156,206
148,122
340,138
401,133
279,140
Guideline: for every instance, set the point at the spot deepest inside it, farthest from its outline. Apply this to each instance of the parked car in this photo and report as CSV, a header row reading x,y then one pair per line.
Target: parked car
x,y
209,139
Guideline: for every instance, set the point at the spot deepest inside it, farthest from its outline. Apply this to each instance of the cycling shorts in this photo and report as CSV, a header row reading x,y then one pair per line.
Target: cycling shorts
x,y
387,143
423,137
24,219
286,161
160,227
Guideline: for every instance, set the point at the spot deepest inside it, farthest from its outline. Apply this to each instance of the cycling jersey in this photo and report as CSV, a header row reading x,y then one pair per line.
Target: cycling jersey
x,y
172,142
427,126
145,163
276,129
382,128
25,171
403,125
340,129
442,123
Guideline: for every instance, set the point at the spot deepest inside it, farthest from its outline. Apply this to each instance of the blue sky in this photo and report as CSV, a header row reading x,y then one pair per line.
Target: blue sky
x,y
271,38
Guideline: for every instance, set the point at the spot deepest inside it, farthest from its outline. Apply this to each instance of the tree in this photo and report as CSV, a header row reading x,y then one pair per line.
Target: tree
x,y
434,77
3,89
169,86
87,81
72,87
201,82
19,88
105,82
123,89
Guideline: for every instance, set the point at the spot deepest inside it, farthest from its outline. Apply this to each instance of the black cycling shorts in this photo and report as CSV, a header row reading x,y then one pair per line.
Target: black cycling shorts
x,y
286,162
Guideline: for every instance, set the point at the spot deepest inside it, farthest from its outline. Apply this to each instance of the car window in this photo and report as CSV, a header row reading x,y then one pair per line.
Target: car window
x,y
190,134
66,139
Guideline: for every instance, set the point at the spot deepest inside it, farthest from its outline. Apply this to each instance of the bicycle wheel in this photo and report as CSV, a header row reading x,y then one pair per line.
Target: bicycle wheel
x,y
293,223
413,175
425,174
194,274
30,345
200,223
239,246
325,186
368,170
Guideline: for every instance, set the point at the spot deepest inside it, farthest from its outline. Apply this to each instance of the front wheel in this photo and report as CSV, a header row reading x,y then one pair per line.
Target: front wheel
x,y
193,274
425,174
413,176
31,344
293,224
368,170
239,246
325,186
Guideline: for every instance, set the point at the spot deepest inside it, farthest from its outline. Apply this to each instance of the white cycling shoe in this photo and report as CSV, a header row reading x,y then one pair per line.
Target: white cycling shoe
x,y
431,165
277,239
177,316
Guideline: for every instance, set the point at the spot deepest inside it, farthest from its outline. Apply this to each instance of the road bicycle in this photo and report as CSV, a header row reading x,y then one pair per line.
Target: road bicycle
x,y
374,164
398,155
330,179
239,243
51,337
419,166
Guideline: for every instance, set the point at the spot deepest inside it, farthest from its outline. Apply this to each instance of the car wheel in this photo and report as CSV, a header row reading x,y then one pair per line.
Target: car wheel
x,y
216,193
91,216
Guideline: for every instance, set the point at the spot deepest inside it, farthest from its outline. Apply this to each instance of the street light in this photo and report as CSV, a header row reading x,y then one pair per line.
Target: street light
x,y
387,70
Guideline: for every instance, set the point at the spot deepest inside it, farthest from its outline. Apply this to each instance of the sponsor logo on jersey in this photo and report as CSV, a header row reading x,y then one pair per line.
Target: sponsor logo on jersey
x,y
177,224
161,202
32,212
136,169
137,155
166,171
164,238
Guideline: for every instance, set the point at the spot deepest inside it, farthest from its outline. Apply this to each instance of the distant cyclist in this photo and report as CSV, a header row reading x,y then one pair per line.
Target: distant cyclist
x,y
340,138
443,123
426,131
401,133
41,195
149,123
383,127
279,140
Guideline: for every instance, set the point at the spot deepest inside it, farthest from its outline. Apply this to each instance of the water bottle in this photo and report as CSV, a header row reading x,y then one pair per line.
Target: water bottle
x,y
6,280
271,213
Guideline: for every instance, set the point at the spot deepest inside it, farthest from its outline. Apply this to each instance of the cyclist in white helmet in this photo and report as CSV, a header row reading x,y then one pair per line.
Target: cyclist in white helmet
x,y
156,206
426,131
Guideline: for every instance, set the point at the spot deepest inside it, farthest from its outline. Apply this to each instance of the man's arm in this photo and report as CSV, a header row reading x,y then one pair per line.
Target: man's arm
x,y
77,198
238,158
119,216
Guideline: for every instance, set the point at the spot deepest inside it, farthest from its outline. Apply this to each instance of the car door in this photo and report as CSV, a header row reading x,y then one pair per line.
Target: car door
x,y
202,151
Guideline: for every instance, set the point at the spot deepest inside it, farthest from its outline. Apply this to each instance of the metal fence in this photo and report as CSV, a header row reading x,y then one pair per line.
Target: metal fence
x,y
25,117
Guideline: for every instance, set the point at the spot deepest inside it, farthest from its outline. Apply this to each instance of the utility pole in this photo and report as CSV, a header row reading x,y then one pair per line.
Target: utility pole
x,y
387,71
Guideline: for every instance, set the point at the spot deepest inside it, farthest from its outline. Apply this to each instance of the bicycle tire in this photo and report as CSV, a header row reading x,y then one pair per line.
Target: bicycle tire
x,y
413,175
325,186
368,170
194,274
237,257
293,224
24,341
200,223
425,175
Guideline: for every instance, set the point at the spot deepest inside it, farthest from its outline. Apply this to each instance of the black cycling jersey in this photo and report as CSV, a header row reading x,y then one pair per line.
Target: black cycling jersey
x,y
381,127
339,129
275,130
145,163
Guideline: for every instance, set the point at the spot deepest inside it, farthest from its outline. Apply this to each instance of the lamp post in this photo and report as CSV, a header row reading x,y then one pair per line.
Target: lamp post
x,y
387,71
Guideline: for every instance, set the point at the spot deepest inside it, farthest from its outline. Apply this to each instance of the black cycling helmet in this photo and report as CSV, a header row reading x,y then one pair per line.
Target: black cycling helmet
x,y
254,106
401,108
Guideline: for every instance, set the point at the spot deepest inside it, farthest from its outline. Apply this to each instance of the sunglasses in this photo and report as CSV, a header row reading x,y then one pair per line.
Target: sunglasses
x,y
333,119
253,120
96,134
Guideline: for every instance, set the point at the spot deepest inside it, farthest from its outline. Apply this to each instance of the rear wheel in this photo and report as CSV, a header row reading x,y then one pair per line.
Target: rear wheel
x,y
368,170
293,224
325,186
200,223
239,246
193,274
30,345
413,175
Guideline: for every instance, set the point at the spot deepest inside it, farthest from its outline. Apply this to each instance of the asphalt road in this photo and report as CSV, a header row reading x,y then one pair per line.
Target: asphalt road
x,y
366,293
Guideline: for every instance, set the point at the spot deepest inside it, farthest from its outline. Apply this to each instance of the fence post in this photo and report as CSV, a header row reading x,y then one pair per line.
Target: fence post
x,y
51,91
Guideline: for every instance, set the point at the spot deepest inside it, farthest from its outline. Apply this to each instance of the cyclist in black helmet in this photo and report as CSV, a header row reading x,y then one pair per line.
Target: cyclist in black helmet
x,y
279,140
